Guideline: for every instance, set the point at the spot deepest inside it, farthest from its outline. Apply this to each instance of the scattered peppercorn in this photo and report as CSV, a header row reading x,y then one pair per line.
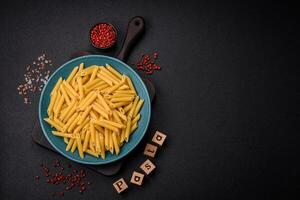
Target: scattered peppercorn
x,y
147,63
103,35
57,174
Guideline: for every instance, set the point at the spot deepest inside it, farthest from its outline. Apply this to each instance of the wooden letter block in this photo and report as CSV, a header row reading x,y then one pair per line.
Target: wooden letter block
x,y
147,166
120,185
150,150
137,178
159,138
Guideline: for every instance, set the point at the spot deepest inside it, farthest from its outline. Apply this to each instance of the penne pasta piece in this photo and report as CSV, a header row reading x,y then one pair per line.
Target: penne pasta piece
x,y
121,99
70,90
130,114
104,78
81,67
70,144
94,73
122,138
127,130
59,106
128,107
98,150
86,140
119,104
65,95
58,122
53,124
72,74
57,85
113,71
111,144
116,116
106,138
93,114
116,144
133,127
127,92
61,134
130,84
51,104
92,83
66,140
84,115
93,136
115,124
124,87
89,101
69,122
136,119
99,128
79,146
57,100
106,125
103,102
110,75
115,87
138,107
92,153
73,124
81,126
69,111
102,146
80,88
100,110
74,146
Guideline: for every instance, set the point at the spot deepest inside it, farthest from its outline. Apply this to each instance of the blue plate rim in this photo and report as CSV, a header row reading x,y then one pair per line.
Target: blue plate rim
x,y
102,161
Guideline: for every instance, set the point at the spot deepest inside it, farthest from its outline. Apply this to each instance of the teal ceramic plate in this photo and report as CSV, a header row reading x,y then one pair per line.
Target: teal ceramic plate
x,y
64,71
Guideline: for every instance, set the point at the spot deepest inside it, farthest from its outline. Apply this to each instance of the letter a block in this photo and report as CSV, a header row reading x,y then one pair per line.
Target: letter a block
x,y
120,185
159,138
137,178
147,166
150,150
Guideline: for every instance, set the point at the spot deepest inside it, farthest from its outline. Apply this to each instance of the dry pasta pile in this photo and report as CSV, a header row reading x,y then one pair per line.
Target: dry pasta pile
x,y
94,110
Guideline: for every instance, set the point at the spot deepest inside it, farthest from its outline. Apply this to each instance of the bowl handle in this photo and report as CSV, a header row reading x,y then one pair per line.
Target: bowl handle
x,y
135,30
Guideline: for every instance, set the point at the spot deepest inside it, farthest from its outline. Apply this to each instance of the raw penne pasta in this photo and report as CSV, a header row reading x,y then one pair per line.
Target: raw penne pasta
x,y
92,153
57,85
74,71
61,134
65,95
86,140
94,110
102,153
115,124
138,107
113,71
130,84
53,124
106,125
111,75
98,150
66,140
115,142
79,146
80,88
105,78
51,105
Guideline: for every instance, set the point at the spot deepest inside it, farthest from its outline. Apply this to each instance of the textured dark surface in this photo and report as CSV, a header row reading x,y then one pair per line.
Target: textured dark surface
x,y
227,96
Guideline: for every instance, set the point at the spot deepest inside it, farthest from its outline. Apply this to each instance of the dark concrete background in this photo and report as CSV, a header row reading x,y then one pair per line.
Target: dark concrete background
x,y
227,96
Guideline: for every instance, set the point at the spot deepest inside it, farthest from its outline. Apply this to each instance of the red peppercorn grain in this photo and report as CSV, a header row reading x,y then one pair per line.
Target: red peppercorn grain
x,y
147,63
103,35
59,175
